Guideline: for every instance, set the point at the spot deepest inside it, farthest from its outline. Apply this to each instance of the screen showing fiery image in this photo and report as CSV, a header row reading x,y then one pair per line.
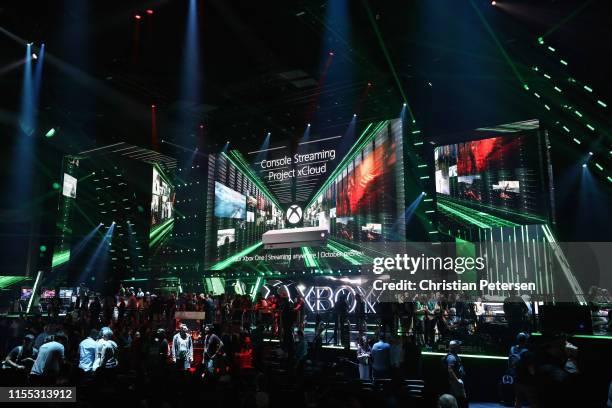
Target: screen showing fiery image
x,y
363,202
500,172
360,184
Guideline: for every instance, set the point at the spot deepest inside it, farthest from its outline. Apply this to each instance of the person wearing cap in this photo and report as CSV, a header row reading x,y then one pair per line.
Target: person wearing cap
x,y
456,373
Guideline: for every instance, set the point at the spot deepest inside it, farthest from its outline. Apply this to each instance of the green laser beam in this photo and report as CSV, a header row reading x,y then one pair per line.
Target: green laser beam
x,y
387,56
227,262
502,50
566,19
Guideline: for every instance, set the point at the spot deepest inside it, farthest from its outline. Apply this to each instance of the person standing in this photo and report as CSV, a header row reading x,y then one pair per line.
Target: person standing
x,y
106,361
340,315
49,361
364,358
182,349
157,352
87,354
300,312
301,351
515,312
432,312
381,358
419,320
456,373
212,348
360,314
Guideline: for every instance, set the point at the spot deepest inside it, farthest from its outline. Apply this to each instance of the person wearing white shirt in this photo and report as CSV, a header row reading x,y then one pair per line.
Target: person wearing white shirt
x,y
106,361
182,349
87,352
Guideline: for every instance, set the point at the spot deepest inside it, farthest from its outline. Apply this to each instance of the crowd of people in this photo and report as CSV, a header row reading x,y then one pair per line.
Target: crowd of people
x,y
101,340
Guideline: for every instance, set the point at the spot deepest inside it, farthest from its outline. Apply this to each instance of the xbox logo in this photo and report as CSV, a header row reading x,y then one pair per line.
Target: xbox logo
x,y
294,214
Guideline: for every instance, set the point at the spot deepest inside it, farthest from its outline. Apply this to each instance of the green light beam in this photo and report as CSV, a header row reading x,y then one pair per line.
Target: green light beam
x,y
502,50
566,19
387,56
219,266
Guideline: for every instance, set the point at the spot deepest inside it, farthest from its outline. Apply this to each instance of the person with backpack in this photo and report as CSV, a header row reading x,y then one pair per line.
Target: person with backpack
x,y
516,351
507,385
522,365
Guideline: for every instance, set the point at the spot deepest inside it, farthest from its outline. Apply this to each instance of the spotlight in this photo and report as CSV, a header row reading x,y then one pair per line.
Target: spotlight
x,y
354,115
149,12
137,16
153,106
34,56
590,153
493,3
113,222
309,125
369,84
50,133
331,54
584,165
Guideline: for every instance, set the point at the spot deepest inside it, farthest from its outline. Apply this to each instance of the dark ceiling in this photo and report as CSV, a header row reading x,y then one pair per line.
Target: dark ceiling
x,y
263,65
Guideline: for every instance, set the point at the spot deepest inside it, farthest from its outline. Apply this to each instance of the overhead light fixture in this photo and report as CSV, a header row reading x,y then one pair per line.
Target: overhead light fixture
x,y
50,133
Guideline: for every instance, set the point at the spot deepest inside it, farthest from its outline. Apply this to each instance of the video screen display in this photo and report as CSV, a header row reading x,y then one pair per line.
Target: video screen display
x,y
66,293
361,204
229,203
226,237
162,200
26,293
241,212
501,172
70,186
310,206
47,293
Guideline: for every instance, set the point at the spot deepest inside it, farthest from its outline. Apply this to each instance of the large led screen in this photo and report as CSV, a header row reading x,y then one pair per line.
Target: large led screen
x,y
347,198
241,212
162,199
497,173
362,203
229,203
70,186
